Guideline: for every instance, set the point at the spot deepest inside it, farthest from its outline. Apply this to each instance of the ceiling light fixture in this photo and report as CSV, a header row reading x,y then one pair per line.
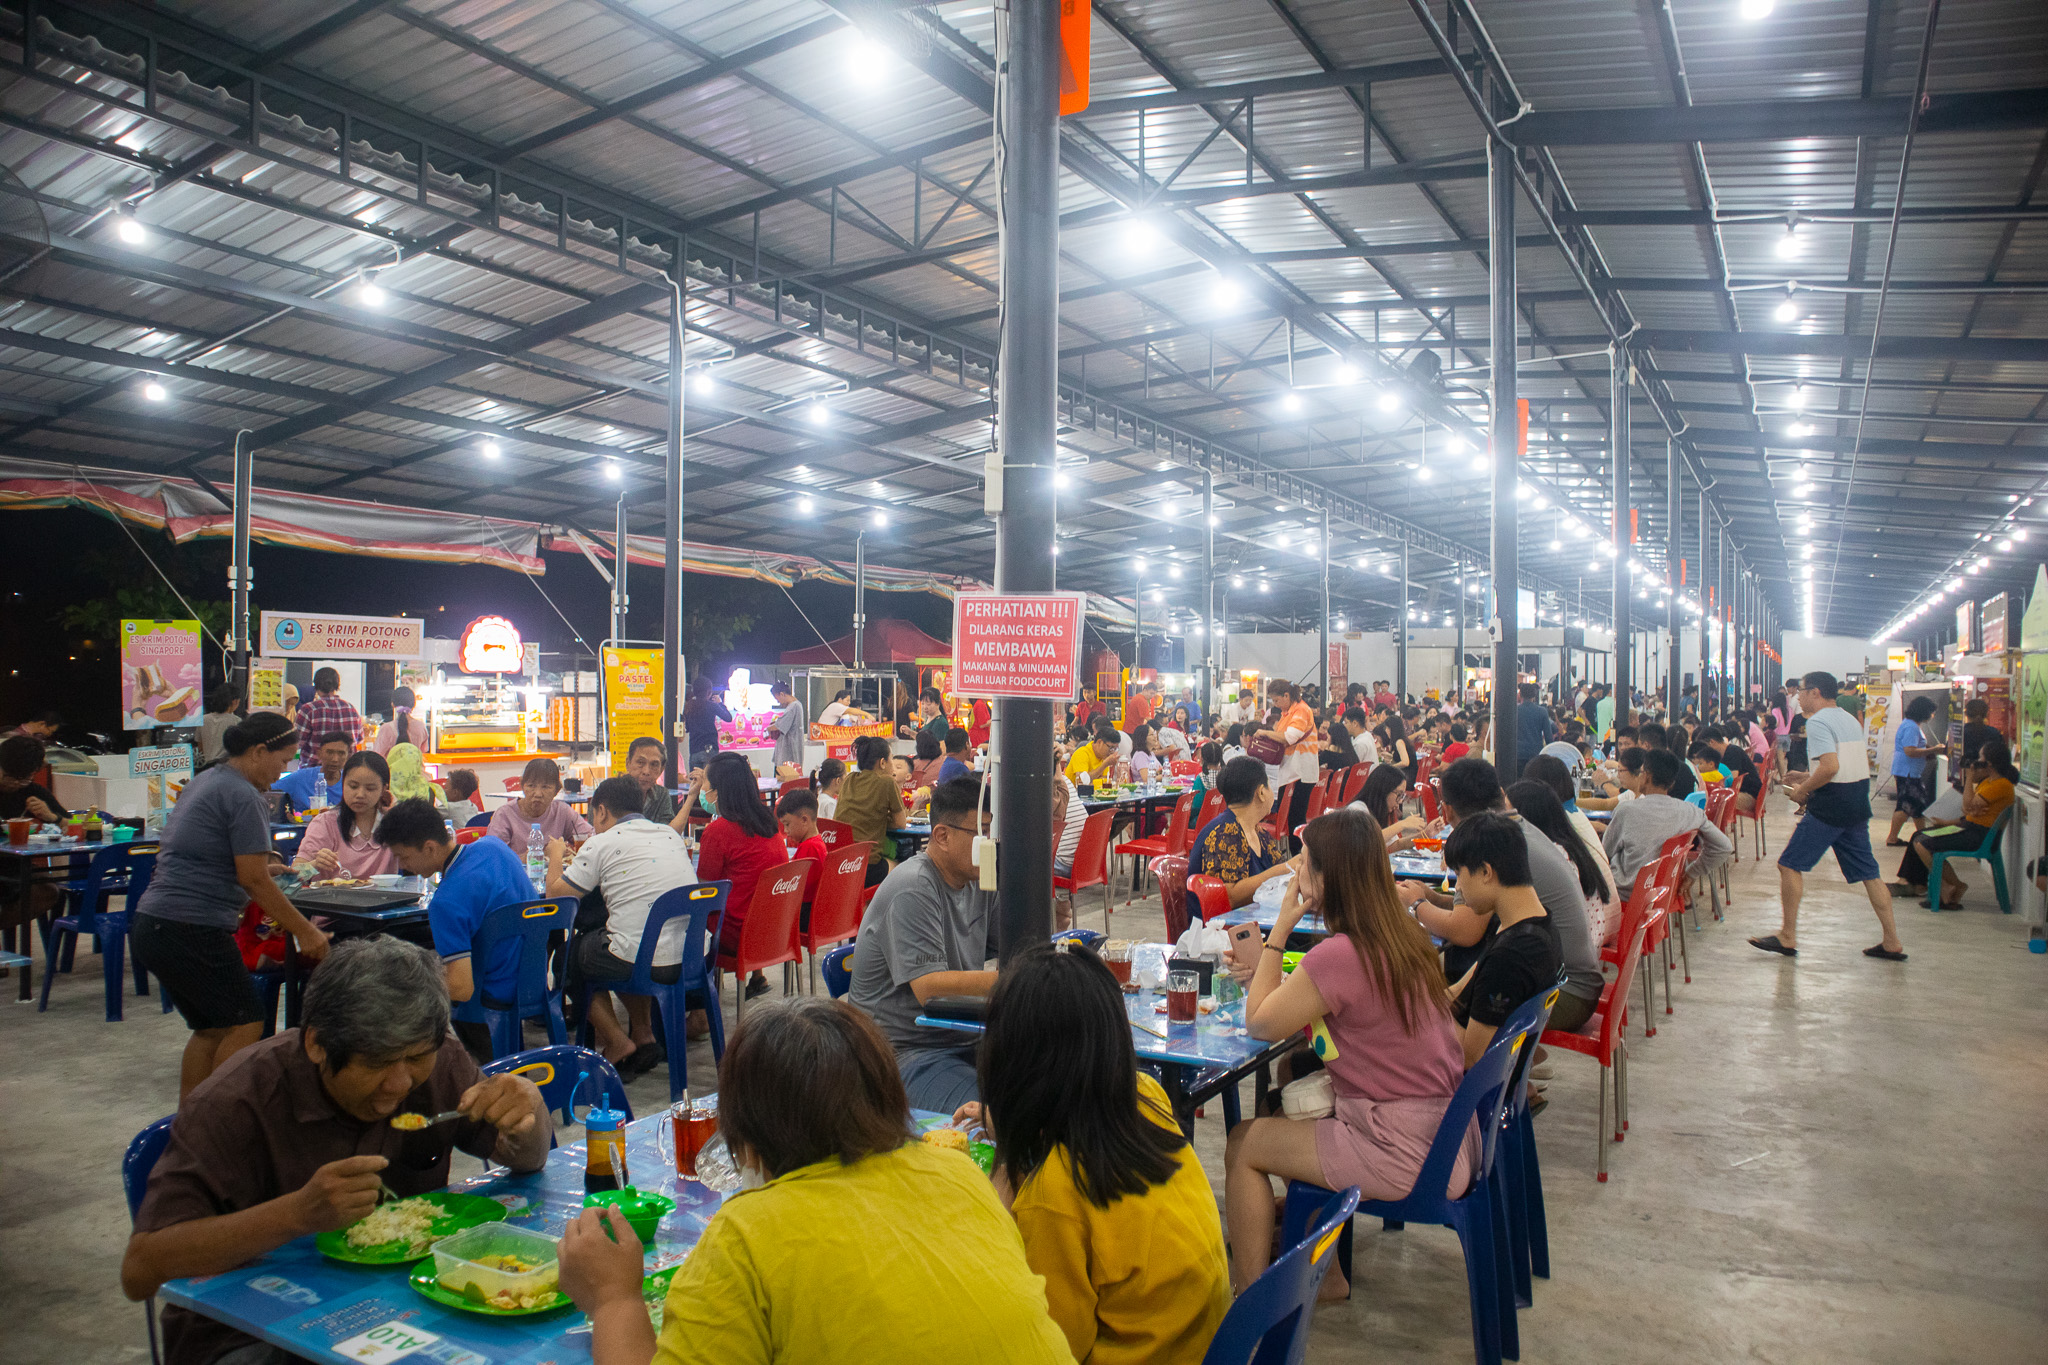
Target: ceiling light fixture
x,y
368,293
491,450
130,229
805,506
155,392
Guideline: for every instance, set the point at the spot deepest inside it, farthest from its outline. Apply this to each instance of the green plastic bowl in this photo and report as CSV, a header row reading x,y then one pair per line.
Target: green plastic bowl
x,y
643,1212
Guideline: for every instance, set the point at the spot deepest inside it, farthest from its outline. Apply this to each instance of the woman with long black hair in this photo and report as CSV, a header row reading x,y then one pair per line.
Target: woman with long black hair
x,y
1111,1200
741,842
1386,787
1535,800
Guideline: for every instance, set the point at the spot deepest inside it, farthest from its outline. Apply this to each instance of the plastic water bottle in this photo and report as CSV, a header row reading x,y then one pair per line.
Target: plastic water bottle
x,y
536,855
320,789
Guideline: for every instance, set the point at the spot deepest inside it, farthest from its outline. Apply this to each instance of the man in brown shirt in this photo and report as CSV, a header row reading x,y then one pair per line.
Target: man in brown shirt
x,y
292,1136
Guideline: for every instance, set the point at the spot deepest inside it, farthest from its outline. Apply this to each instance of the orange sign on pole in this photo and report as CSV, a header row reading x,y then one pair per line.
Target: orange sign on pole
x,y
1074,15
1522,428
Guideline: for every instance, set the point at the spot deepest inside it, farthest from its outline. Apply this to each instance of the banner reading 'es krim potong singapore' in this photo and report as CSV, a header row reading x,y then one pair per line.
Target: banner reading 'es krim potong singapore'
x,y
160,674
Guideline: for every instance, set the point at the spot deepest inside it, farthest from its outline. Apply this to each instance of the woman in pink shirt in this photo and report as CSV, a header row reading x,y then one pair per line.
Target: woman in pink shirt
x,y
1392,1052
401,728
338,842
539,785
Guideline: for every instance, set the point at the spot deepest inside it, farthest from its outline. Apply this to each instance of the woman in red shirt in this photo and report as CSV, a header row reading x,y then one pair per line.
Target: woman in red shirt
x,y
741,842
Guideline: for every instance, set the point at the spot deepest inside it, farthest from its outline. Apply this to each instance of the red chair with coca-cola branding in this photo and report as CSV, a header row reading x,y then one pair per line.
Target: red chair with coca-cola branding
x,y
835,908
1212,897
1091,864
768,935
834,832
1173,839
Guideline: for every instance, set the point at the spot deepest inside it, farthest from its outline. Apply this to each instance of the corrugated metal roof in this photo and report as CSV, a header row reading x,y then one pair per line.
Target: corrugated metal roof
x,y
262,244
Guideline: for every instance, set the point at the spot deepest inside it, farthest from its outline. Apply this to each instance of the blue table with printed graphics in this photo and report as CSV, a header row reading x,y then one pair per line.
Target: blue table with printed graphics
x,y
1195,1062
297,1299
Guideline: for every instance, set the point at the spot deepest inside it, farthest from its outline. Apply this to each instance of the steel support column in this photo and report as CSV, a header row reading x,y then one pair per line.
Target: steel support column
x,y
1674,553
1401,624
1503,428
1458,664
1325,636
1705,616
621,599
241,577
1027,150
672,545
1210,644
1619,373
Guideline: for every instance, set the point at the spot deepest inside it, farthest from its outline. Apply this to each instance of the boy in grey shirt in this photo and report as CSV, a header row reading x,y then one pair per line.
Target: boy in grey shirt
x,y
1640,828
930,931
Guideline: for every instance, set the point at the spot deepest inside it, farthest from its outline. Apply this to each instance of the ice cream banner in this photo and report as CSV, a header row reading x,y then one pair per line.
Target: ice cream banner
x,y
160,674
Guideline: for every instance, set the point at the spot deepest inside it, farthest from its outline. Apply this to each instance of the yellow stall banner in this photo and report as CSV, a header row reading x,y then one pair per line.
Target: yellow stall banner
x,y
632,699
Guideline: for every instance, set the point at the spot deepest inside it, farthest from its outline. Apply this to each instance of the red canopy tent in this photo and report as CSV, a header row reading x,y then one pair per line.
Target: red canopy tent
x,y
888,641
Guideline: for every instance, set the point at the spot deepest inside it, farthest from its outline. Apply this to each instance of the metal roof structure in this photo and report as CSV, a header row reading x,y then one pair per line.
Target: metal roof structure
x,y
417,246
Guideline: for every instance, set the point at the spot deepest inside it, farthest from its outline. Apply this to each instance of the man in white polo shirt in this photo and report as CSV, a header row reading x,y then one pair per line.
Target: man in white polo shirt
x,y
1835,798
630,861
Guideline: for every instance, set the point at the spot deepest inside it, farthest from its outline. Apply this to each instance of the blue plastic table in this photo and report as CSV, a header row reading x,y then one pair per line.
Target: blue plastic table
x,y
298,1299
1195,1061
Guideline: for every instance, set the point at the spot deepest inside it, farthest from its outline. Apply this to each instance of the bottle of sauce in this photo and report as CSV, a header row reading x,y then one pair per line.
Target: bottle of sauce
x,y
604,1145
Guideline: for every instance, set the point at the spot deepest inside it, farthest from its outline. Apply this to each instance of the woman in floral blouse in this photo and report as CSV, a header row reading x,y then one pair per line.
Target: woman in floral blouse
x,y
1230,847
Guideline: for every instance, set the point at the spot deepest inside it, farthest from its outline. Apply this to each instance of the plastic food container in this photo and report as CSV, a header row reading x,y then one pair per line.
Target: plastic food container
x,y
459,1268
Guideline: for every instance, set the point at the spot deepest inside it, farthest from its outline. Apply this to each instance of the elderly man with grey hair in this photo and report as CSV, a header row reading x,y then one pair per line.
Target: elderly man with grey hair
x,y
293,1135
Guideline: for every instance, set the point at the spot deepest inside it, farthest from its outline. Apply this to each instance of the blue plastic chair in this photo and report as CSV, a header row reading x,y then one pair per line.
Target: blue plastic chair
x,y
123,870
703,903
1985,852
535,925
1479,1216
481,820
1268,1323
1521,1176
1087,938
557,1071
285,842
141,1159
836,966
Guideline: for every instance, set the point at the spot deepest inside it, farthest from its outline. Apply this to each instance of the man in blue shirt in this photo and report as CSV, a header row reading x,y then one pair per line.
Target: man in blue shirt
x,y
476,878
1533,727
956,756
298,786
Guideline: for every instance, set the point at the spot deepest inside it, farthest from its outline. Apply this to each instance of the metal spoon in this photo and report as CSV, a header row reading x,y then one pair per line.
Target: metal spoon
x,y
430,1120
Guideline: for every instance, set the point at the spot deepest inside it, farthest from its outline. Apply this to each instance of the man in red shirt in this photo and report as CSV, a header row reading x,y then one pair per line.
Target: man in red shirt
x,y
1385,697
1088,709
1143,704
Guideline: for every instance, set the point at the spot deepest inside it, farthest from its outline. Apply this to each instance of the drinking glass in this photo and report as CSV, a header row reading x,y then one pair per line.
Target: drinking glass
x,y
1118,956
1181,988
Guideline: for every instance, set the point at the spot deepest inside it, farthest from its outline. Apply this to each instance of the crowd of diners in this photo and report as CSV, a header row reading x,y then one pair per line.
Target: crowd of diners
x,y
1099,1237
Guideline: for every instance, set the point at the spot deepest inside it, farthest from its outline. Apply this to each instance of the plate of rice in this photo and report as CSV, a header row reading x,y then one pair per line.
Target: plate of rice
x,y
406,1229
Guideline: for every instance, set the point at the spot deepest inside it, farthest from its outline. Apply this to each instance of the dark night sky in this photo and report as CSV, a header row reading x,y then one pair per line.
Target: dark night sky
x,y
45,667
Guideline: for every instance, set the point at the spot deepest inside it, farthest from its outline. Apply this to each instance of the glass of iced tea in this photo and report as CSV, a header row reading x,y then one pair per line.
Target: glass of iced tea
x,y
695,1119
1181,989
1118,956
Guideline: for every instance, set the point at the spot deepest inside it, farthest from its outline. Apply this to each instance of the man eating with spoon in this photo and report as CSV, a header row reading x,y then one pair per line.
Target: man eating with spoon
x,y
294,1135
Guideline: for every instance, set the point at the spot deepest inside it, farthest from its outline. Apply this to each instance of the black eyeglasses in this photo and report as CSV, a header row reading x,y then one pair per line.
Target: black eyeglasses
x,y
962,829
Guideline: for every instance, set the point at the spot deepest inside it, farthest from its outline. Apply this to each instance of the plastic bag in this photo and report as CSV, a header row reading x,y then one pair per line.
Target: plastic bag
x,y
1314,1096
1204,940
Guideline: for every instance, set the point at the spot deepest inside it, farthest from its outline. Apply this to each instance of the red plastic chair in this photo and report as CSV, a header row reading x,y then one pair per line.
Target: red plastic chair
x,y
1091,862
1354,782
1427,791
793,784
1173,840
1603,1041
768,933
836,905
1212,897
1652,880
1212,806
1184,767
835,832
1275,826
1318,802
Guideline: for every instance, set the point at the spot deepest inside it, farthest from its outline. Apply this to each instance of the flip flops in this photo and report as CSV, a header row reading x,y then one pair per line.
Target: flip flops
x,y
1769,943
1887,954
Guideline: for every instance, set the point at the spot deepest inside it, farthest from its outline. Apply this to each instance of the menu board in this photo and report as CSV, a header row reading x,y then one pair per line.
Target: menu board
x,y
632,698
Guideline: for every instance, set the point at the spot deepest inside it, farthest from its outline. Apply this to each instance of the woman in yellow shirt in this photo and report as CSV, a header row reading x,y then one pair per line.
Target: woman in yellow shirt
x,y
1987,791
854,1242
1116,1212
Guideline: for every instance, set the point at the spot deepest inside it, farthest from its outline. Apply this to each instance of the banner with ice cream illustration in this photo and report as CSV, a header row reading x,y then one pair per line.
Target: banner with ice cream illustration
x,y
160,674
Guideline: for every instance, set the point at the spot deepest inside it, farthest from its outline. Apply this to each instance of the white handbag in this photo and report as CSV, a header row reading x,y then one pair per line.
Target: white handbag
x,y
1314,1096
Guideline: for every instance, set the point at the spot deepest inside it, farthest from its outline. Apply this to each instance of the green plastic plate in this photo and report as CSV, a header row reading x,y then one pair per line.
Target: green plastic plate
x,y
460,1211
423,1281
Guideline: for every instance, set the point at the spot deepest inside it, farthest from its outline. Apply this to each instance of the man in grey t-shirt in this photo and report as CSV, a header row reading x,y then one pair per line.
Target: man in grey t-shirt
x,y
930,931
1469,787
788,726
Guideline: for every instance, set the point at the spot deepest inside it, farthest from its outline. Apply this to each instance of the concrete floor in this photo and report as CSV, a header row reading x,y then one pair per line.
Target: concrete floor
x,y
1830,1159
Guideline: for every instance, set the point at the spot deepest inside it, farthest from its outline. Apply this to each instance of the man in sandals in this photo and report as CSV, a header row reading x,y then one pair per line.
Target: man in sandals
x,y
1835,798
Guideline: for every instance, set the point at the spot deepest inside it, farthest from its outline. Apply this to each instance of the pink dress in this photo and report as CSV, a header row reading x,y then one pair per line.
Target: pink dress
x,y
1392,1086
359,854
